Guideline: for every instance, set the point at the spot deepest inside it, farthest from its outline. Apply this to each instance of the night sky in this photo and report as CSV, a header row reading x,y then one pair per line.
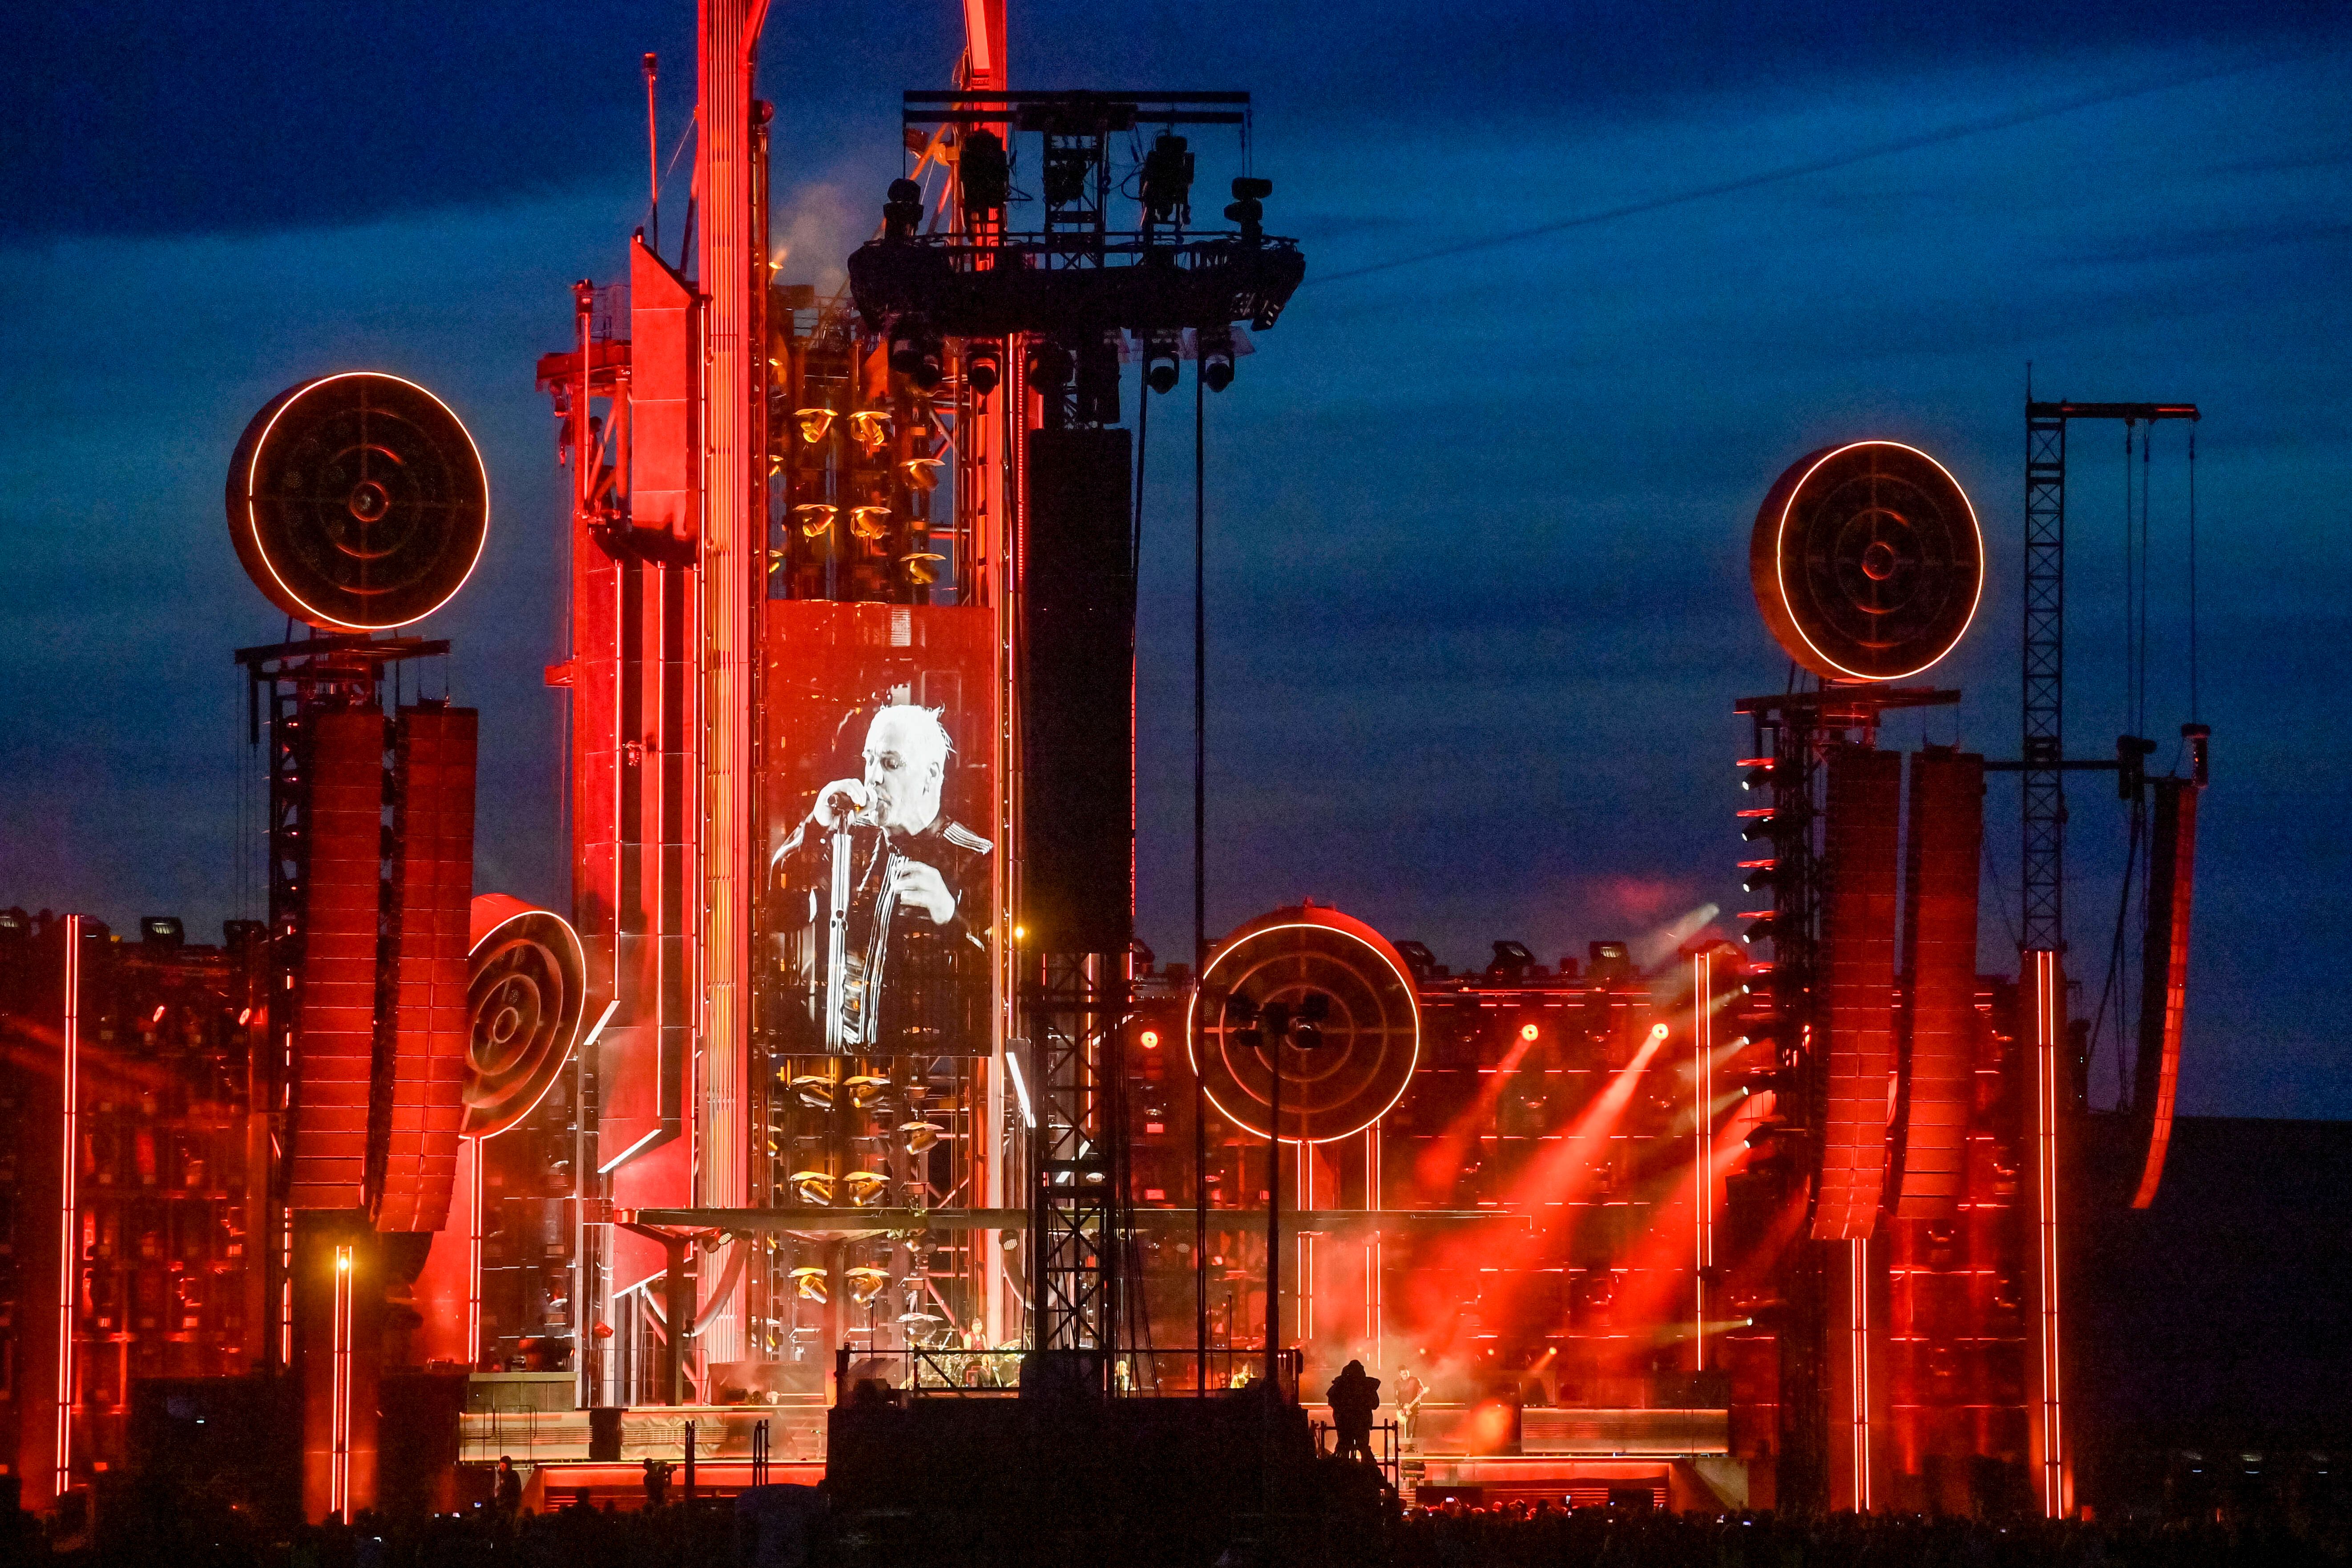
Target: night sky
x,y
1478,512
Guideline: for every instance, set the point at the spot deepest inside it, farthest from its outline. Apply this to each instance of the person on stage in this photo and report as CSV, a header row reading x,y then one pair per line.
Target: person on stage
x,y
1354,1399
1410,1393
912,939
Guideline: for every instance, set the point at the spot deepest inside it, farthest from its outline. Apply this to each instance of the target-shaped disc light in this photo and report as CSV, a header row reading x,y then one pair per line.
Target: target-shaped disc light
x,y
1371,1033
1868,560
526,989
358,503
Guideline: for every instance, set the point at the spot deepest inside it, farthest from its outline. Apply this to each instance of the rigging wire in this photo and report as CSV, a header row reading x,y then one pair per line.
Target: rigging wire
x,y
2131,581
1130,1248
2147,482
1200,879
2195,711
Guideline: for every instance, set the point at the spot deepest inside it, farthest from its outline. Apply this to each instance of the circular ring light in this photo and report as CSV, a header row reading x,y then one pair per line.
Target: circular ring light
x,y
1371,1035
1868,562
526,989
358,503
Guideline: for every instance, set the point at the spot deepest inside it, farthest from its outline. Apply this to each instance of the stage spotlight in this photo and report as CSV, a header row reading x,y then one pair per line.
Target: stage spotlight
x,y
1756,777
982,368
1167,188
815,516
922,473
1760,927
869,521
1216,350
922,566
870,428
814,1188
1758,826
983,176
1160,362
916,354
1530,1033
1761,875
1099,381
814,423
1248,208
903,211
1050,367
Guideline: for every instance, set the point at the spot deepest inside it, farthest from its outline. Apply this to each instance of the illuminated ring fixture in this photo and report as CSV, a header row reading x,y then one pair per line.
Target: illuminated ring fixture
x,y
1372,1037
525,991
358,503
1868,562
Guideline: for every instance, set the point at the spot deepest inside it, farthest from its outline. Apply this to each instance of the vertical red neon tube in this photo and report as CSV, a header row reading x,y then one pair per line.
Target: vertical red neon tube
x,y
1858,1342
340,1475
2048,1028
68,1227
1702,1145
474,1253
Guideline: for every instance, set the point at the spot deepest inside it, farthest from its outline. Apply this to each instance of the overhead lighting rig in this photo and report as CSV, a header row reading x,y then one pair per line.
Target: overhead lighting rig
x,y
1073,280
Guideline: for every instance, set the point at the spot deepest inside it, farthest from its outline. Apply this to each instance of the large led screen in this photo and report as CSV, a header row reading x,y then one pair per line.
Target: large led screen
x,y
879,806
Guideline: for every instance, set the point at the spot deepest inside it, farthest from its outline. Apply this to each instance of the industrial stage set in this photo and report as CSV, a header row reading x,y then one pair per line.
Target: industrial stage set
x,y
842,1120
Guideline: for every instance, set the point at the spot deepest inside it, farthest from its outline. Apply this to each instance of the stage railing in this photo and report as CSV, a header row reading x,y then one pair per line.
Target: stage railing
x,y
983,1374
1384,1445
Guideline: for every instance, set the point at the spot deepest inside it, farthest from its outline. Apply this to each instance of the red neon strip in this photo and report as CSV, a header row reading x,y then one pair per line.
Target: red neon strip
x,y
1703,1165
2048,1027
1858,1290
473,1254
68,1227
340,1475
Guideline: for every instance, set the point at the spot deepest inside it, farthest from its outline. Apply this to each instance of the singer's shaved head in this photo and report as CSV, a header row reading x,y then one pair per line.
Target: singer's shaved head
x,y
906,752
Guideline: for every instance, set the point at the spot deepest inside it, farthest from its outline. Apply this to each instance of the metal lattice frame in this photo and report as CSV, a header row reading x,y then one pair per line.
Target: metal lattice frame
x,y
2044,928
1073,1015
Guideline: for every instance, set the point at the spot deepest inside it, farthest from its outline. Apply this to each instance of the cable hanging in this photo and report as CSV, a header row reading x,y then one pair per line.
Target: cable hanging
x,y
2196,709
1200,874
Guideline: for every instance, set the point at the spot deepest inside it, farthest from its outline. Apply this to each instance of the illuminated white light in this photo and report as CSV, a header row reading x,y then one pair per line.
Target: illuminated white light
x,y
617,1160
1021,1090
602,1018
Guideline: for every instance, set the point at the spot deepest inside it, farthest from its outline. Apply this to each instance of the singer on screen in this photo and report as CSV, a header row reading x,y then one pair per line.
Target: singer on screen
x,y
883,900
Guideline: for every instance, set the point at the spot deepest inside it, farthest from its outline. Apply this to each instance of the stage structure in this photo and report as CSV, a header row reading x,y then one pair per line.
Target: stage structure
x,y
1868,566
853,737
1927,1139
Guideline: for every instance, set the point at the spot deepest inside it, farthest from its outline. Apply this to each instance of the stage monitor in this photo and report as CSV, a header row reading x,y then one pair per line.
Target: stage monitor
x,y
880,810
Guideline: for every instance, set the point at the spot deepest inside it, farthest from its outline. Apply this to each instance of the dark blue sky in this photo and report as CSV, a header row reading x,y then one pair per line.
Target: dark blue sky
x,y
1478,524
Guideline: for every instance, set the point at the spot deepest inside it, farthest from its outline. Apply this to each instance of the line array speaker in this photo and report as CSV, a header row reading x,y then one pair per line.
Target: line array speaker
x,y
1077,711
341,878
1858,914
1939,947
420,1100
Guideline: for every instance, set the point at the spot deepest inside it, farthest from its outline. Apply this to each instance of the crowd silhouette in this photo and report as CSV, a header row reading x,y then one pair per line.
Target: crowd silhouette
x,y
180,1529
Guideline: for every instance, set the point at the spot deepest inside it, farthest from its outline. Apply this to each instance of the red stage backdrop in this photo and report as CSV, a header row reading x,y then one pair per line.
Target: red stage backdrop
x,y
878,813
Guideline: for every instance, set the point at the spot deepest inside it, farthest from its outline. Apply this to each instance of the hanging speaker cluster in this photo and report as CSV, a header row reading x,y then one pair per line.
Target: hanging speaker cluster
x,y
1867,562
1368,1028
358,503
